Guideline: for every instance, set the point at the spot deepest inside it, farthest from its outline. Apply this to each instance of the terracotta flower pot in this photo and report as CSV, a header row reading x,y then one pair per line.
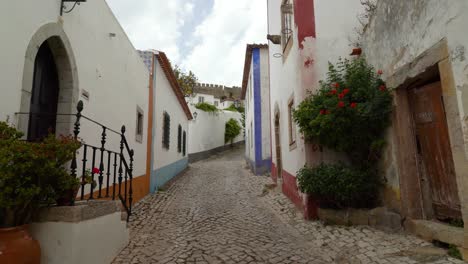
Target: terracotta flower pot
x,y
68,198
18,247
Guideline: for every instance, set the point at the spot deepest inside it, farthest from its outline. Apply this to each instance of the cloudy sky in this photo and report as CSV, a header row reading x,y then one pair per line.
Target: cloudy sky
x,y
205,36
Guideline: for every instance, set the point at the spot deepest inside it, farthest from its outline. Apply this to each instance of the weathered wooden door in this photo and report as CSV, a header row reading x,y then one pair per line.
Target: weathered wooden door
x,y
44,96
279,162
433,145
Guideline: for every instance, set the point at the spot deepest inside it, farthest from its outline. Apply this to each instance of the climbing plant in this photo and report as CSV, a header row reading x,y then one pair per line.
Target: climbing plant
x,y
233,129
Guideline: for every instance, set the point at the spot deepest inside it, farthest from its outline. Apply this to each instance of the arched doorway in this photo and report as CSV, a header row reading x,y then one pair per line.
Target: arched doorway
x,y
44,95
50,84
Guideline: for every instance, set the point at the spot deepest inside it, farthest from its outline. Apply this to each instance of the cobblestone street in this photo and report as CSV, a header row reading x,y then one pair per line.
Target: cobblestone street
x,y
217,212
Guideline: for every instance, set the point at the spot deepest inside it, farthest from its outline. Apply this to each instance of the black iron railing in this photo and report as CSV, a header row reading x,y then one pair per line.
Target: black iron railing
x,y
115,167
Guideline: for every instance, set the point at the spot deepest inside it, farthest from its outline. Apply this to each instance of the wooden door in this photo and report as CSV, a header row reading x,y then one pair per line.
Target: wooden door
x,y
433,145
44,96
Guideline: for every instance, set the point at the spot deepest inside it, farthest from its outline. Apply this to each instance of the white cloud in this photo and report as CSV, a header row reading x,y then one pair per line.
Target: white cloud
x,y
153,24
214,45
219,56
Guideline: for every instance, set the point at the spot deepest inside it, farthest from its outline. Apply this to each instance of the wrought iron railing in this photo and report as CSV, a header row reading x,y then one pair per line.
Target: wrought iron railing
x,y
115,166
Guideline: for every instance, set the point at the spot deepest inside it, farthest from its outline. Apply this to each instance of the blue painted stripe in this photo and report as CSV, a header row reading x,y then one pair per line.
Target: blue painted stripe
x,y
257,105
162,175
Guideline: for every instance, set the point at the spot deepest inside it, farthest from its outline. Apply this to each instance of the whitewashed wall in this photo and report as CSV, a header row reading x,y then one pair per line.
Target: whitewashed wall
x,y
207,130
166,101
107,67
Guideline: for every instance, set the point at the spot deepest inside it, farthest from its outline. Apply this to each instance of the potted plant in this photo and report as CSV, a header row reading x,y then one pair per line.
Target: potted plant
x,y
71,186
30,174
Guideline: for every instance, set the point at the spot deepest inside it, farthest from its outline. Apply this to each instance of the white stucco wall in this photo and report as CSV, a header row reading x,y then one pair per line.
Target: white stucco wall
x,y
107,67
166,101
207,130
82,242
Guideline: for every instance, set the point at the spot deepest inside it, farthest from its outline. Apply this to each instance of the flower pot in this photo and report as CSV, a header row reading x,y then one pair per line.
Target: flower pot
x,y
68,198
18,247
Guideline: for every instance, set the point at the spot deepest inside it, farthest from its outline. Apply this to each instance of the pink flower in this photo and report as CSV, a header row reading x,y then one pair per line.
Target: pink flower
x,y
96,171
333,92
341,95
341,104
382,88
336,85
353,105
346,91
379,72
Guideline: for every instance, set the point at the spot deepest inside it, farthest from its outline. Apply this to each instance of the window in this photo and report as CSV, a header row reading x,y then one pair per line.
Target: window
x,y
286,23
179,139
166,130
292,128
216,103
139,125
201,99
184,147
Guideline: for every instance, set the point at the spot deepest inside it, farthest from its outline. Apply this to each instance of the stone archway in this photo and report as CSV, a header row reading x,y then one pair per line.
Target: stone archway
x,y
61,49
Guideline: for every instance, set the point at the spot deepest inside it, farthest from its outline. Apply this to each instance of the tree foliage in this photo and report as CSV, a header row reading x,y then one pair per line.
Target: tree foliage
x,y
186,80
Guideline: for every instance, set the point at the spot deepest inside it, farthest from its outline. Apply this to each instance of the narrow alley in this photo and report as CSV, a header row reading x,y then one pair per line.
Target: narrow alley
x,y
218,212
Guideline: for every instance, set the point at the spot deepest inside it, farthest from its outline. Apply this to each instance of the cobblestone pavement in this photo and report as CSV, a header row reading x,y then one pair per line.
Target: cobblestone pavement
x,y
218,212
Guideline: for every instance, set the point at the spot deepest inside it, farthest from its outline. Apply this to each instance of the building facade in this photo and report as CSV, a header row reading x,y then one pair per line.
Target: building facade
x,y
426,161
256,96
303,37
52,60
170,119
218,95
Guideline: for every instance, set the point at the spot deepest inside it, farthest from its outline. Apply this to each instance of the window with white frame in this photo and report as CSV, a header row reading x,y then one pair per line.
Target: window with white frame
x,y
216,103
201,99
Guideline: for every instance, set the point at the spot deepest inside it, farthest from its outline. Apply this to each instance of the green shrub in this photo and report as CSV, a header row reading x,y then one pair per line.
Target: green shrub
x,y
32,174
233,129
233,108
349,113
207,107
339,186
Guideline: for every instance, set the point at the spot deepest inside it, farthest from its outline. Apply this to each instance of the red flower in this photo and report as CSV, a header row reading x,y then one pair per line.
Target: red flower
x,y
333,92
322,112
382,88
341,95
346,91
336,85
341,104
379,72
96,171
353,105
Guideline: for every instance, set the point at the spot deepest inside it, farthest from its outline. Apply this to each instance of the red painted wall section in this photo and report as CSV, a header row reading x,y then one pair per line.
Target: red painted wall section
x,y
304,16
274,172
290,189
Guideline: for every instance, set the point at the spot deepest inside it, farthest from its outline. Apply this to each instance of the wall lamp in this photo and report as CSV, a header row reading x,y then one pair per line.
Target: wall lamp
x,y
195,114
62,7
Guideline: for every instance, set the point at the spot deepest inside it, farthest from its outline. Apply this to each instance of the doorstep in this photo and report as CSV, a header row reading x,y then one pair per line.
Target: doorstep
x,y
432,230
